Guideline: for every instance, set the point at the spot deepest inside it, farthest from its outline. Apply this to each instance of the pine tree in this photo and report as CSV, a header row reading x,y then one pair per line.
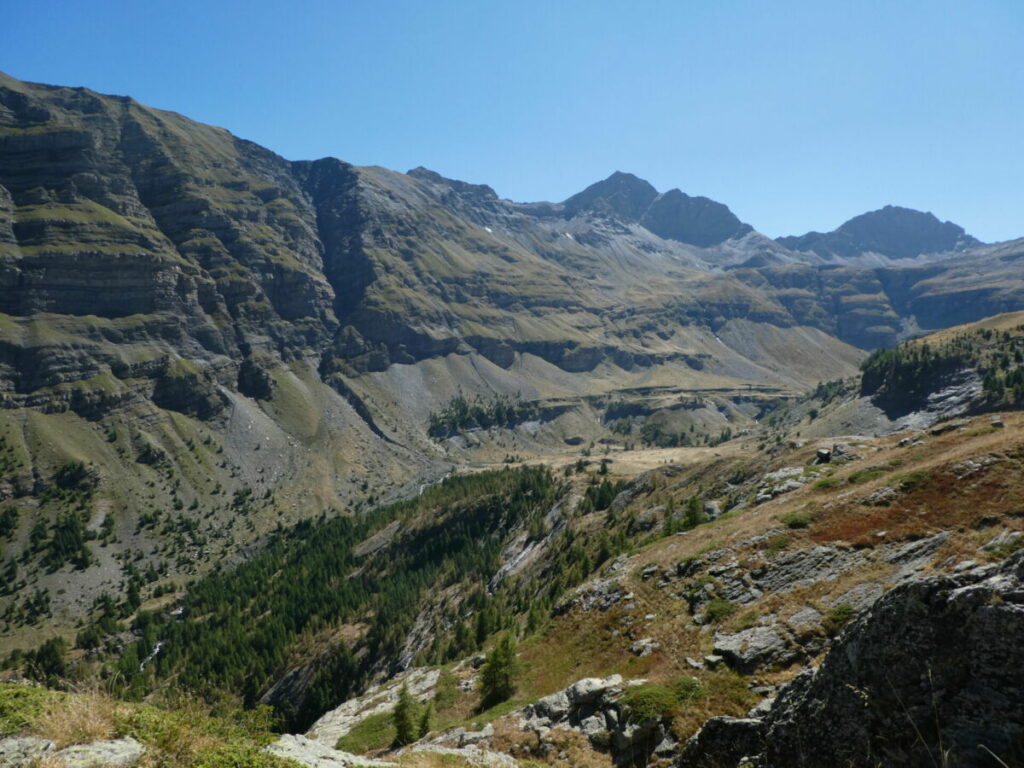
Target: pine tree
x,y
499,673
404,717
425,718
694,513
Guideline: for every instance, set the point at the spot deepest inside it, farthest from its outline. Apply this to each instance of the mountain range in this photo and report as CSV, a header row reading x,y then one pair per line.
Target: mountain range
x,y
192,315
278,432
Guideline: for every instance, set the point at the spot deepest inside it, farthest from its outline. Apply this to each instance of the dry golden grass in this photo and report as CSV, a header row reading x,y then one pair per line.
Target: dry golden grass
x,y
90,715
561,747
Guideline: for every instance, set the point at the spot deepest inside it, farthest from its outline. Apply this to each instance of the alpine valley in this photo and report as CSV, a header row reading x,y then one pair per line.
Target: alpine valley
x,y
304,463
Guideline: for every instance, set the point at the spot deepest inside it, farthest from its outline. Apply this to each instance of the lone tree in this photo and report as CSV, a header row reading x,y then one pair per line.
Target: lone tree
x,y
499,673
694,513
404,718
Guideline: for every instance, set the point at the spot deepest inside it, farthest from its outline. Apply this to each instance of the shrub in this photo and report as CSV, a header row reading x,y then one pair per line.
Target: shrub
x,y
650,702
801,519
447,691
20,705
911,480
719,610
838,617
369,735
688,689
746,620
826,482
866,475
660,702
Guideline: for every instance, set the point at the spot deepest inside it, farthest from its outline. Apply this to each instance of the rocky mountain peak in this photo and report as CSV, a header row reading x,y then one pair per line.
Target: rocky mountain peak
x,y
892,231
622,194
698,220
672,215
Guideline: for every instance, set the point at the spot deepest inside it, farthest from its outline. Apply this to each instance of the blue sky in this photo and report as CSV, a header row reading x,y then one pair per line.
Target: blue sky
x,y
798,115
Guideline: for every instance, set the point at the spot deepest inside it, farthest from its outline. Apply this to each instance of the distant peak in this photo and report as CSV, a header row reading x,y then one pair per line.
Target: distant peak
x,y
621,194
892,231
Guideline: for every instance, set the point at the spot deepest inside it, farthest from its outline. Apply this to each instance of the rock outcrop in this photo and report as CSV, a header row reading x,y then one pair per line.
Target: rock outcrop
x,y
932,675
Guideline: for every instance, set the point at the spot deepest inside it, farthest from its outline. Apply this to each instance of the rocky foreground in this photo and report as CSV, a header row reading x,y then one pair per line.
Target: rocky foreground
x,y
931,674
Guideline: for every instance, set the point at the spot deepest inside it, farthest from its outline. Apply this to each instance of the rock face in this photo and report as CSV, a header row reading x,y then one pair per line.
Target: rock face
x,y
722,741
899,233
932,675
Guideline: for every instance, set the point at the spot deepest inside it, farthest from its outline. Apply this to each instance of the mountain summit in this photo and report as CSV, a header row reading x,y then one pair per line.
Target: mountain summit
x,y
673,215
900,233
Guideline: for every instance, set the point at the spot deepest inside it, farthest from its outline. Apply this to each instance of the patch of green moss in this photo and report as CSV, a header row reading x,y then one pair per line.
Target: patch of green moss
x,y
20,705
373,734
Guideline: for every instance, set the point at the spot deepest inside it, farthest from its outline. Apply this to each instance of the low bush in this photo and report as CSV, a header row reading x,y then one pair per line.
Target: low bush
x,y
719,610
838,617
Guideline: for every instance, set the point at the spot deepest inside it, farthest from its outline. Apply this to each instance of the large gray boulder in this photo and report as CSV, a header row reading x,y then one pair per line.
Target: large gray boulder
x,y
751,649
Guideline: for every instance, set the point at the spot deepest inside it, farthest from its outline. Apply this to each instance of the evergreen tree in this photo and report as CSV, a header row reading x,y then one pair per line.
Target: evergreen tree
x,y
499,674
694,513
425,718
404,717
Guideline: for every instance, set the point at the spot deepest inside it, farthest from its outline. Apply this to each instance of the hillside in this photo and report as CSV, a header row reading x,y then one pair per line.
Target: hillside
x,y
716,582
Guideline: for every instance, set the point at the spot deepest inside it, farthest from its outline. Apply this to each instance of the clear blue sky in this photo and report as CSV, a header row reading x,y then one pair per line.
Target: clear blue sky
x,y
798,115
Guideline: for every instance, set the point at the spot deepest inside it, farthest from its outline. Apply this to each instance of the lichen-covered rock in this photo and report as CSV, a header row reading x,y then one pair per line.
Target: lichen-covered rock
x,y
23,751
118,753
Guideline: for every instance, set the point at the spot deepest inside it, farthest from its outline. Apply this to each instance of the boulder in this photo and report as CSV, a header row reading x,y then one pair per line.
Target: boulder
x,y
722,741
644,647
24,751
553,707
119,753
755,648
592,689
